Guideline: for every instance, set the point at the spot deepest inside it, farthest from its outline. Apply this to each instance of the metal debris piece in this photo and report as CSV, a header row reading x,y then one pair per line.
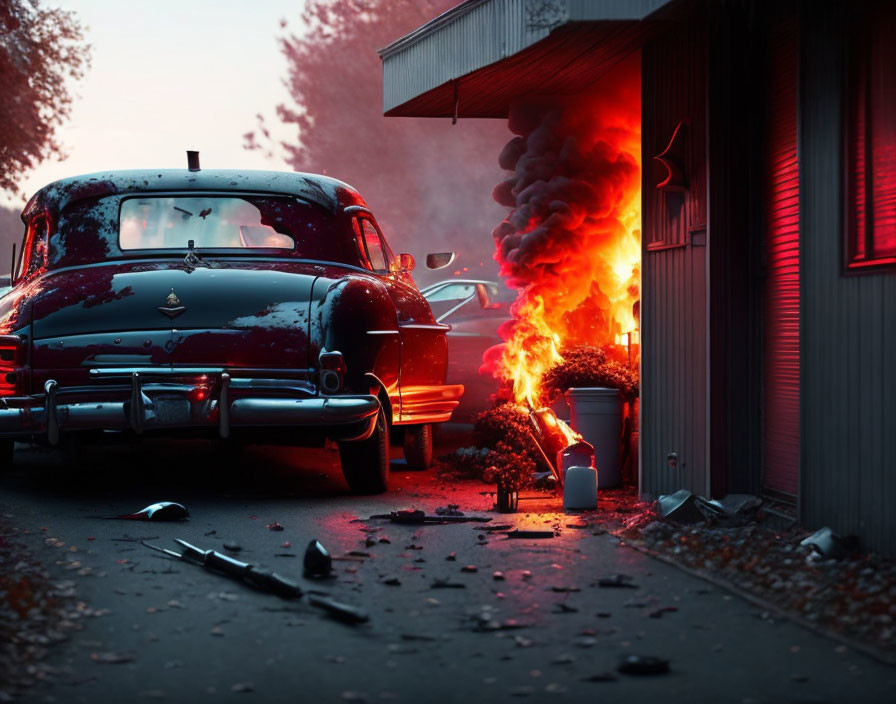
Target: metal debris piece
x,y
565,589
110,658
445,584
740,504
618,581
643,665
452,556
449,510
232,547
498,576
342,612
418,517
469,568
680,506
275,526
495,528
318,562
161,511
658,613
827,543
391,581
242,571
530,534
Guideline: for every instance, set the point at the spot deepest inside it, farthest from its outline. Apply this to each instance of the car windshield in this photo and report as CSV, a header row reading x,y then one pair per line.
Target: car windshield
x,y
219,222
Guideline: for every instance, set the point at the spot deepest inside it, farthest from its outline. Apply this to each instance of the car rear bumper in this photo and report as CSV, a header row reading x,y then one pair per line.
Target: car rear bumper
x,y
148,402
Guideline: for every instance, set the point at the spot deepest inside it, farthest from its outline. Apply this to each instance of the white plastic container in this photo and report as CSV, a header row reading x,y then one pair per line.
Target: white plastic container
x,y
580,489
597,415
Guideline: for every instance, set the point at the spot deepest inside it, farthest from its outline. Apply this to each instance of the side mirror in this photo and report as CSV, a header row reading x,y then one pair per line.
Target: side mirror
x,y
439,260
404,262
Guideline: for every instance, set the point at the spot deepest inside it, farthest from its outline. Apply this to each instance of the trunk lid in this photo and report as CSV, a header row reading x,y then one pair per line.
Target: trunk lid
x,y
233,313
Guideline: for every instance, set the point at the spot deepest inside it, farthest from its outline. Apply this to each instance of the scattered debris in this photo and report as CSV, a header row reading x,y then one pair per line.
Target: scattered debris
x,y
827,543
680,506
643,665
449,510
161,511
418,517
317,562
446,584
275,526
241,571
530,534
658,613
338,610
498,527
112,658
617,581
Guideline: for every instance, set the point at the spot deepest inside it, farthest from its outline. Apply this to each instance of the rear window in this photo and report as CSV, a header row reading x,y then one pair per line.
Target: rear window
x,y
96,229
231,222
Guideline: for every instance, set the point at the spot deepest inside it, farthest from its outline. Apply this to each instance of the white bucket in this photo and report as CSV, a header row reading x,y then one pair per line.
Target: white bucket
x,y
580,489
597,415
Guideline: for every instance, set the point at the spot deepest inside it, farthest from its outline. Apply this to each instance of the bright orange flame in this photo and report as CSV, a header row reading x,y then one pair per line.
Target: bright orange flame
x,y
573,251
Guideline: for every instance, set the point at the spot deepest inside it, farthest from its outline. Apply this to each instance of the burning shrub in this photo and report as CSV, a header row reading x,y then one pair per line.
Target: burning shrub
x,y
585,365
505,451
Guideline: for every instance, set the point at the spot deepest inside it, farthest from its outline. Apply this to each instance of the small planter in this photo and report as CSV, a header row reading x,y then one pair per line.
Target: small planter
x,y
508,500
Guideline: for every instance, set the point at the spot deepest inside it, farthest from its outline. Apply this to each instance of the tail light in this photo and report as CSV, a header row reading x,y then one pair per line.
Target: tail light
x,y
11,361
332,369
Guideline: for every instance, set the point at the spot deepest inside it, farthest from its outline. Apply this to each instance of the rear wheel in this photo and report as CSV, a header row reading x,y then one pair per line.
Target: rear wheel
x,y
365,464
418,446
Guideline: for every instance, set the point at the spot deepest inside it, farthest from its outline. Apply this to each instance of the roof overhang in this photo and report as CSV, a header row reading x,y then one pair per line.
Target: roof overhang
x,y
477,58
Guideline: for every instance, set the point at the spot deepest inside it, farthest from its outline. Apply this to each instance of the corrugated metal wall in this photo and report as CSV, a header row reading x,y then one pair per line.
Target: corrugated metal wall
x,y
782,305
736,109
673,309
848,379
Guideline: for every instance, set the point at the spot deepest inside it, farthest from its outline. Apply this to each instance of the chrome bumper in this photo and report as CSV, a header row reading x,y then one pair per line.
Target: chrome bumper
x,y
147,403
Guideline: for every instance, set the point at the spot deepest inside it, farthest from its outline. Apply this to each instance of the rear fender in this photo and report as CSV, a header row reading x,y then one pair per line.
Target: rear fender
x,y
357,318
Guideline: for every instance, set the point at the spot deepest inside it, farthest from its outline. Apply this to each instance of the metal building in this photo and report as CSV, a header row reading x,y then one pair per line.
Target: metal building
x,y
768,308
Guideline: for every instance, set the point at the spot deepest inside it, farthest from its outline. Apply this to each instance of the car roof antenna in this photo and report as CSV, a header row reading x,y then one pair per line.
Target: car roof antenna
x,y
192,160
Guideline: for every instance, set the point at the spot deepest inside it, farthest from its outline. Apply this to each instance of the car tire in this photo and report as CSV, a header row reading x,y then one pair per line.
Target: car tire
x,y
365,464
418,446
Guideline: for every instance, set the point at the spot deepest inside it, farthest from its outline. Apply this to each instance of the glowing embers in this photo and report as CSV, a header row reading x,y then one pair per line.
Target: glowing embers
x,y
571,243
10,364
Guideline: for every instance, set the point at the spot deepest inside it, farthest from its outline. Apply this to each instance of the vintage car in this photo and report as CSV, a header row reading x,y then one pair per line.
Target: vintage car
x,y
254,306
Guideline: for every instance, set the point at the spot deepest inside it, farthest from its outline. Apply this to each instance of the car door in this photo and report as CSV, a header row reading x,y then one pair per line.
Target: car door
x,y
424,349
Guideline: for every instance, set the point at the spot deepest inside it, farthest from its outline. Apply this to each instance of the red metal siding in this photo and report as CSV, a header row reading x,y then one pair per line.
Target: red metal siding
x,y
782,308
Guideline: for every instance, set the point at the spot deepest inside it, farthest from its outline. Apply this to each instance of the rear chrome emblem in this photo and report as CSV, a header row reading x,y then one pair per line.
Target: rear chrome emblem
x,y
172,307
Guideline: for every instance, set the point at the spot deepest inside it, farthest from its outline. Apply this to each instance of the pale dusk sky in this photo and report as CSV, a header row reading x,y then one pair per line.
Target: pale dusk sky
x,y
168,76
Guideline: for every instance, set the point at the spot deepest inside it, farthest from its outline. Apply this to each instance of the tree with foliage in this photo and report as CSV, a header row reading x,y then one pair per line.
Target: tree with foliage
x,y
428,181
41,51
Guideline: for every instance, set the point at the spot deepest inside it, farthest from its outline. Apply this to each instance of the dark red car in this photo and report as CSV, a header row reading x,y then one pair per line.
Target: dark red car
x,y
256,306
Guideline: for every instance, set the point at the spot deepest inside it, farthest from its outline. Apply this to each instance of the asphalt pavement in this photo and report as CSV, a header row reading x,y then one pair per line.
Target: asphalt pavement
x,y
443,627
